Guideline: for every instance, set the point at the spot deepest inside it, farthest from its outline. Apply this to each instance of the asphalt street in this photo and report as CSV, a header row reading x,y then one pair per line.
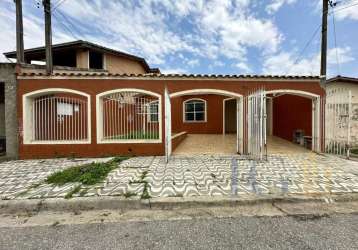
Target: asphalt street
x,y
281,232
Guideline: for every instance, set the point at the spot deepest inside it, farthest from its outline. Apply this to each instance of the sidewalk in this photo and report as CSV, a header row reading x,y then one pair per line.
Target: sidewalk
x,y
191,178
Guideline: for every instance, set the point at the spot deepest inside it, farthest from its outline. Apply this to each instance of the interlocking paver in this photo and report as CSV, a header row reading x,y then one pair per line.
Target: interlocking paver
x,y
304,173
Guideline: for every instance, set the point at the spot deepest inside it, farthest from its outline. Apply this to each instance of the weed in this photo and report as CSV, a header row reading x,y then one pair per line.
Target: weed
x,y
88,174
55,223
145,195
129,194
83,192
72,192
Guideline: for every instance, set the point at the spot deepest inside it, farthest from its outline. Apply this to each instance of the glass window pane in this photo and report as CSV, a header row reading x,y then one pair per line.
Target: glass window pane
x,y
189,116
200,116
189,107
154,108
154,117
199,106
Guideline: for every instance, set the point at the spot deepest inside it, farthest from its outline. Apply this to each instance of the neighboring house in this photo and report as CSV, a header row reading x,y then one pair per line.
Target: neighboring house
x,y
344,90
126,109
88,56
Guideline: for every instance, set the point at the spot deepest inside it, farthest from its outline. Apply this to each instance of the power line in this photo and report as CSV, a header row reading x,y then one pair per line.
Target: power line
x,y
305,47
355,3
65,26
58,4
70,23
335,42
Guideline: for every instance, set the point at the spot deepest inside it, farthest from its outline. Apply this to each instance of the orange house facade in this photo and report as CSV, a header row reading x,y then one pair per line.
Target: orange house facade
x,y
95,114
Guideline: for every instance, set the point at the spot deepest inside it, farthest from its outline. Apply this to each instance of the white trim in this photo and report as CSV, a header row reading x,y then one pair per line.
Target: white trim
x,y
99,116
178,134
27,118
205,92
293,92
205,110
136,78
149,115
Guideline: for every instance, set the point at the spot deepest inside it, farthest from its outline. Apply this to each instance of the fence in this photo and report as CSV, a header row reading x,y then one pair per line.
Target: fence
x,y
338,126
59,118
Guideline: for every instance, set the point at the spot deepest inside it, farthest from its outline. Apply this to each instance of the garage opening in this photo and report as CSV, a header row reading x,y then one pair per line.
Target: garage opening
x,y
205,123
289,123
2,120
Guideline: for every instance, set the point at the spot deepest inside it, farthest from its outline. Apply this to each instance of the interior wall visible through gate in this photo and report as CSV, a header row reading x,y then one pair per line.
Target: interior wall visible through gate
x,y
214,115
291,113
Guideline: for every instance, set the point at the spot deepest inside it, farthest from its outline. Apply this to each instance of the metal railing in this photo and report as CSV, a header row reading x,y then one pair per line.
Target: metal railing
x,y
130,116
59,118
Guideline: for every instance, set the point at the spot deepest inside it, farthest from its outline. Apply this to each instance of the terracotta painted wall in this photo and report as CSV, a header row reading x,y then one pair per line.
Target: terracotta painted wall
x,y
214,119
291,113
93,87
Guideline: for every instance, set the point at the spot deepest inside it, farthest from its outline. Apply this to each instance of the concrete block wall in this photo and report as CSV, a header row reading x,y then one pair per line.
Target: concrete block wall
x,y
8,77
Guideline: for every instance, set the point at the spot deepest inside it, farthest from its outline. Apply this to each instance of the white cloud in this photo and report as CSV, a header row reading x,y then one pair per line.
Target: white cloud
x,y
348,13
221,27
284,62
193,62
173,71
275,5
243,67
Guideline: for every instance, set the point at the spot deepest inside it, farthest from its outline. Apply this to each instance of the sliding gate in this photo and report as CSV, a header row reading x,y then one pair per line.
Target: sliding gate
x,y
256,124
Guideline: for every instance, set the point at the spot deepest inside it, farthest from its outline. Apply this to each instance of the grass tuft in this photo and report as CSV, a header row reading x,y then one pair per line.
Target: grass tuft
x,y
88,174
70,194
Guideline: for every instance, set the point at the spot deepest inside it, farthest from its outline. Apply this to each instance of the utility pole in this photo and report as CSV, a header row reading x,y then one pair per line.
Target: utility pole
x,y
323,74
48,36
19,33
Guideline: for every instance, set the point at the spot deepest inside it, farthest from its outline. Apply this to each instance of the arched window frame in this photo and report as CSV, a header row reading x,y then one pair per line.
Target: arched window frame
x,y
184,110
99,117
27,115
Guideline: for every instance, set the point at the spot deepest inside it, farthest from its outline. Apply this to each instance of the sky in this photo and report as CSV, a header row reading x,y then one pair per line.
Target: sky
x,y
200,36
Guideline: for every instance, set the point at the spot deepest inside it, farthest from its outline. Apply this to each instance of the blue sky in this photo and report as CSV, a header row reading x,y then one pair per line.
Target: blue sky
x,y
200,36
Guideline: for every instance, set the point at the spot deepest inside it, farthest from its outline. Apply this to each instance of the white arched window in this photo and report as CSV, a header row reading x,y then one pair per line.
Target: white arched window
x,y
128,116
194,110
56,116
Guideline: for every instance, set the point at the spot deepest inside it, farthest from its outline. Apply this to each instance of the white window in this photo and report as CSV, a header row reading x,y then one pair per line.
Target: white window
x,y
195,110
153,110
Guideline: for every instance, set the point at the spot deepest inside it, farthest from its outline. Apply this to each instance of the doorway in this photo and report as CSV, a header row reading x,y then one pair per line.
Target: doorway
x,y
230,116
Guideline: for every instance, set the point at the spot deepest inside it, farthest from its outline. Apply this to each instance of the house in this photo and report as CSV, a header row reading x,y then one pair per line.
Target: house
x,y
84,55
101,108
342,119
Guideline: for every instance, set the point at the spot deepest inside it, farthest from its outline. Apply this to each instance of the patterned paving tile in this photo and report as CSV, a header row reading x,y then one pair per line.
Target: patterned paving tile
x,y
18,177
305,173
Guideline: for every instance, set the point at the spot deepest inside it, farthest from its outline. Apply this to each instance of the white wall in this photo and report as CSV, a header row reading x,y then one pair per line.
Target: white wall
x,y
354,89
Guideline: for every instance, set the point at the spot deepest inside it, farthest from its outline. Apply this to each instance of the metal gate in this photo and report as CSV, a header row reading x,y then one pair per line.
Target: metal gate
x,y
168,126
338,122
256,105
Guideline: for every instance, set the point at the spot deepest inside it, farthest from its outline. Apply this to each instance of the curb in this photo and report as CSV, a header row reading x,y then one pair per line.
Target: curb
x,y
168,203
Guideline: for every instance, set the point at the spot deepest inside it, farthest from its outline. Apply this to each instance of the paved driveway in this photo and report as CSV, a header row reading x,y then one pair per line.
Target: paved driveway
x,y
305,173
